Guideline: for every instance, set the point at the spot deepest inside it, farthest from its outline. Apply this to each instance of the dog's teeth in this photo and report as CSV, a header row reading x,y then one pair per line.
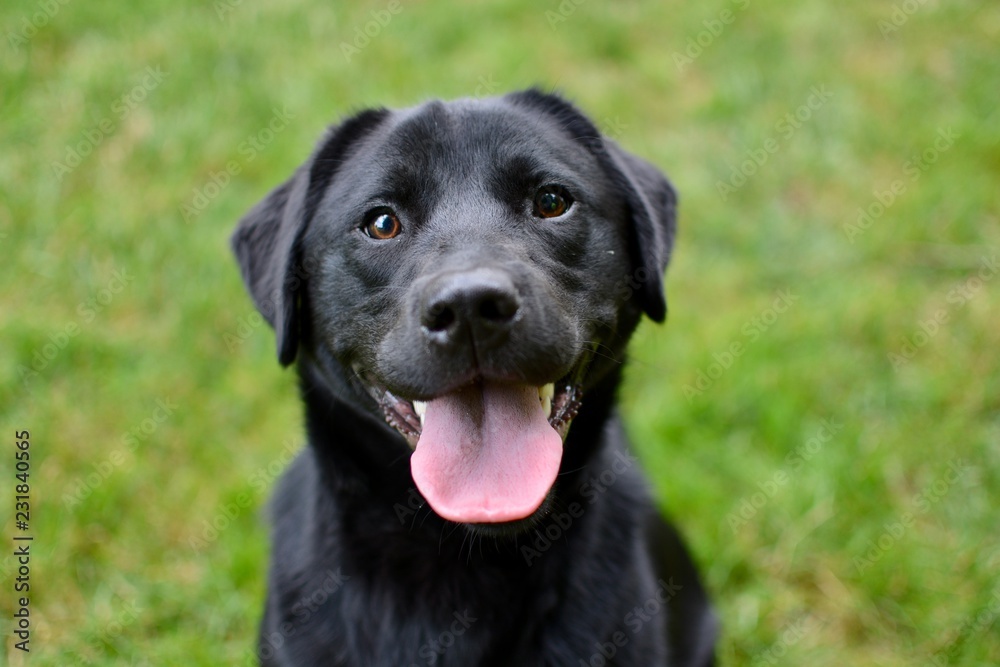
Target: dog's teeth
x,y
545,395
420,407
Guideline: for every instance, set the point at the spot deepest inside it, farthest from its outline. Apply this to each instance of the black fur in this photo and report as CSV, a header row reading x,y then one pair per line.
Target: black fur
x,y
363,572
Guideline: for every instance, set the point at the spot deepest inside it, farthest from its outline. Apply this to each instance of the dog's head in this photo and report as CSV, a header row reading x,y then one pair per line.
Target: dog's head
x,y
475,266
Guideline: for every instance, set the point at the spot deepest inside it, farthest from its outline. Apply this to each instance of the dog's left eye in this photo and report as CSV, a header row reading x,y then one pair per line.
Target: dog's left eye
x,y
551,201
382,224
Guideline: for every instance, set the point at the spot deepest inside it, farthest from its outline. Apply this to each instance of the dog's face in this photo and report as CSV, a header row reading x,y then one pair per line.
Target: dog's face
x,y
475,267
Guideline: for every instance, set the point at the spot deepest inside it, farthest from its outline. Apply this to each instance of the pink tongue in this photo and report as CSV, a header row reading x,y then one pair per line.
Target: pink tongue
x,y
486,453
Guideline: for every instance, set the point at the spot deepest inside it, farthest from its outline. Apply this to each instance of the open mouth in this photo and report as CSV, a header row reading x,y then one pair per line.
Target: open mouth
x,y
559,406
487,452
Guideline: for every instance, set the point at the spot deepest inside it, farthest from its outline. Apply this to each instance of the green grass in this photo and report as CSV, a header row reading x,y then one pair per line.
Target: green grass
x,y
127,574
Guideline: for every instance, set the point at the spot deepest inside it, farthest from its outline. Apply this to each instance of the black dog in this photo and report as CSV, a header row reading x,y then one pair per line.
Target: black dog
x,y
458,282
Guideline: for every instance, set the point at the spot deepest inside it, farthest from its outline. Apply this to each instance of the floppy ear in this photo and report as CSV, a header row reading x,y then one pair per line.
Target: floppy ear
x,y
652,203
651,199
268,240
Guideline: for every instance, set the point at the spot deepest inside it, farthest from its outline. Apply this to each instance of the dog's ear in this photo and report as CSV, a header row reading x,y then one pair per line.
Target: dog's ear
x,y
652,204
268,240
649,196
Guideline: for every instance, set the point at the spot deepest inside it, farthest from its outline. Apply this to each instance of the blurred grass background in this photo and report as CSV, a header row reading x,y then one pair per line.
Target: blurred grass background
x,y
155,403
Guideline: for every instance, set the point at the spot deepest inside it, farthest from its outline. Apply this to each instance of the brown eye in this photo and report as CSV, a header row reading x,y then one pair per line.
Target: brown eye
x,y
551,201
382,224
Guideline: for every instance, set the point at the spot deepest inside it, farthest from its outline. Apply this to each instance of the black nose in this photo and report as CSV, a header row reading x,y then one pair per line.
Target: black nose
x,y
477,306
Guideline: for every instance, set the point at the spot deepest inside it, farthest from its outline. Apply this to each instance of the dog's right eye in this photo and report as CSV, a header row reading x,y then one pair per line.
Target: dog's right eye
x,y
551,201
382,224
